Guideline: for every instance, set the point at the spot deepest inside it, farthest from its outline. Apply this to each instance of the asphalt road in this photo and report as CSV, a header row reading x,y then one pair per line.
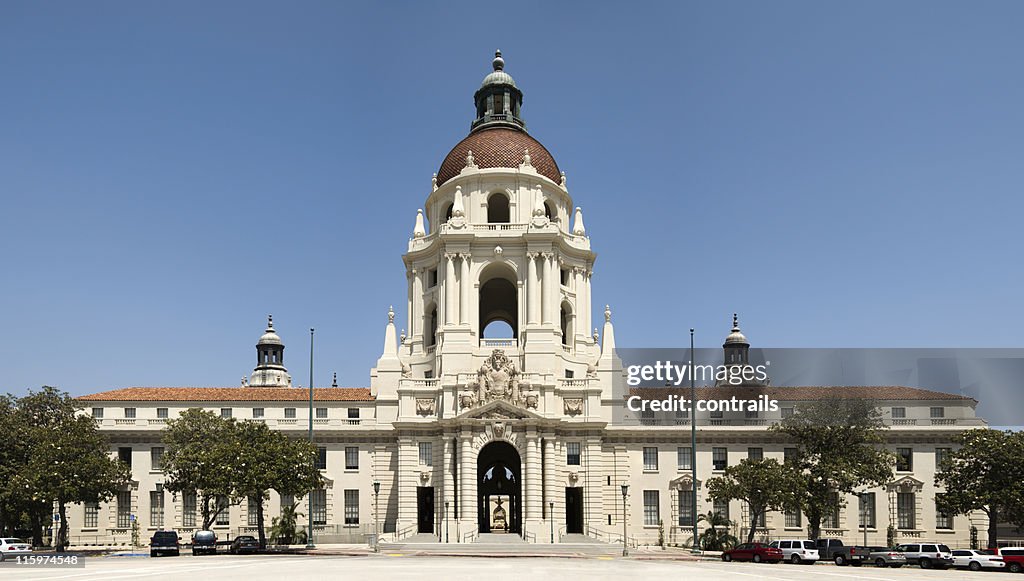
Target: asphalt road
x,y
392,567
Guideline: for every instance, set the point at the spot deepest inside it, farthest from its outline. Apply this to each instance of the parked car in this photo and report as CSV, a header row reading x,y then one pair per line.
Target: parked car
x,y
977,560
927,555
164,543
204,542
244,544
801,551
1013,557
885,557
11,547
756,552
834,550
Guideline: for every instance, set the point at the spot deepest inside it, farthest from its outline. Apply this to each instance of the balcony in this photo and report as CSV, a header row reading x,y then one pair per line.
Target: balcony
x,y
503,343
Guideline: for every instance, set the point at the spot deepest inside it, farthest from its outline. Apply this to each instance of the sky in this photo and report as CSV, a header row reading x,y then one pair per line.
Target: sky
x,y
839,174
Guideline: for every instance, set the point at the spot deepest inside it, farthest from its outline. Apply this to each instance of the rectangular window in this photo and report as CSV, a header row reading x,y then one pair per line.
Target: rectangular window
x,y
719,458
225,413
682,414
651,508
321,413
161,413
899,413
787,413
92,515
321,458
426,450
287,501
124,509
352,507
755,453
721,507
572,453
97,413
937,412
866,511
224,516
793,518
156,508
750,414
156,458
257,413
129,413
289,413
790,454
252,514
830,518
647,417
716,415
351,458
319,512
904,459
905,511
940,456
353,413
188,510
650,458
124,454
685,508
684,458
942,520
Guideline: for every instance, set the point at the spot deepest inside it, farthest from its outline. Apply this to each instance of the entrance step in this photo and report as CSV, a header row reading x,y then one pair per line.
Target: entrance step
x,y
500,538
419,538
580,539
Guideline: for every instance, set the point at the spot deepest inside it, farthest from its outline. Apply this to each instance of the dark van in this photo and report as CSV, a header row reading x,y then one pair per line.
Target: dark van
x,y
204,543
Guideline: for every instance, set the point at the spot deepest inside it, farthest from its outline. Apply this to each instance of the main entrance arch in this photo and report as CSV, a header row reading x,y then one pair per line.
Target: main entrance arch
x,y
499,478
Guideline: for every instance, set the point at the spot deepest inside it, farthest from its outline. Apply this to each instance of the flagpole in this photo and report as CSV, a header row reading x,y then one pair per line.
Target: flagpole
x,y
693,446
309,536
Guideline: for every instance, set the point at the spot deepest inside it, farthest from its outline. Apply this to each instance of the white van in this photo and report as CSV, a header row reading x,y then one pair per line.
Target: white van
x,y
796,552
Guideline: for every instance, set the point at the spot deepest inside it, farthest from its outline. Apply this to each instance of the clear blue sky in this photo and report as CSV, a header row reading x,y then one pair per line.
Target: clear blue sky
x,y
842,175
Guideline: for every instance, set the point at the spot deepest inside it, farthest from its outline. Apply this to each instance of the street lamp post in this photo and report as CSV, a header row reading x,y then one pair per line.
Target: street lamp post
x,y
309,535
693,448
625,549
376,516
446,521
864,515
551,519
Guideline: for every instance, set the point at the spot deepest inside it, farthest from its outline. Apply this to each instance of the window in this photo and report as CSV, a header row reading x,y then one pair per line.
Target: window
x,y
793,518
224,516
755,453
225,413
721,507
351,458
716,414
830,518
289,413
790,454
899,413
319,499
937,412
682,414
787,413
321,413
651,508
905,514
684,458
188,510
569,373
129,413
156,508
161,413
124,509
719,458
647,417
432,278
866,511
92,515
650,458
353,413
352,507
904,459
287,500
942,520
940,456
252,514
750,414
257,413
497,209
156,458
97,413
426,453
572,453
685,508
321,458
125,455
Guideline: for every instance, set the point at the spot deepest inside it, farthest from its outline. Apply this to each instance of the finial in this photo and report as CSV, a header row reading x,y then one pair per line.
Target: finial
x,y
391,314
563,179
735,322
607,314
498,63
433,183
270,322
403,336
526,157
578,228
243,381
469,159
334,382
596,335
419,231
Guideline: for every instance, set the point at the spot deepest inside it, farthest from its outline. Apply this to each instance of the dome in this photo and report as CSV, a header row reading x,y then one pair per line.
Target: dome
x,y
736,336
498,147
269,337
498,78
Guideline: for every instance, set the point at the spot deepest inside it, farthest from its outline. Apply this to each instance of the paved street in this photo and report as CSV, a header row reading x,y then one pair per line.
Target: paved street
x,y
391,567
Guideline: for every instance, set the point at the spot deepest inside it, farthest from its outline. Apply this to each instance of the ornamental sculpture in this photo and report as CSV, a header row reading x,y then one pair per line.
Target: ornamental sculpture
x,y
425,406
496,380
573,406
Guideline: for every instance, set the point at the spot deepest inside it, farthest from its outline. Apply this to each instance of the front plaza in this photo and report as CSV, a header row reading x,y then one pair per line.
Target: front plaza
x,y
470,431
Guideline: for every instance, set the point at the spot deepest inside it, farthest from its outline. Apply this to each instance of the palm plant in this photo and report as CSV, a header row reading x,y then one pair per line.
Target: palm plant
x,y
716,536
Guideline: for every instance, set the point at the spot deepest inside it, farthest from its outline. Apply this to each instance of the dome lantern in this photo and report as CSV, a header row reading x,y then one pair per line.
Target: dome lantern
x,y
498,100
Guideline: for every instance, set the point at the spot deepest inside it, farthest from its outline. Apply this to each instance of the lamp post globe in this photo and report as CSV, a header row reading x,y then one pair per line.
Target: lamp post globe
x,y
625,548
376,517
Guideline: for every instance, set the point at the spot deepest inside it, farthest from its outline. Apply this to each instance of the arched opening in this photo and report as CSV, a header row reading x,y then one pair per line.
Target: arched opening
x,y
566,324
448,212
498,302
499,489
498,329
548,211
497,209
432,326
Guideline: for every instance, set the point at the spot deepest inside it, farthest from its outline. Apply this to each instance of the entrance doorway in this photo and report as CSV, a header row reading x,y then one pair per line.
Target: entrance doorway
x,y
425,509
574,511
499,489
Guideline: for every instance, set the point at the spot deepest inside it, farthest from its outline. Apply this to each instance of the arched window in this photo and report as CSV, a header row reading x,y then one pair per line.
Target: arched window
x,y
432,327
548,211
497,209
448,212
566,324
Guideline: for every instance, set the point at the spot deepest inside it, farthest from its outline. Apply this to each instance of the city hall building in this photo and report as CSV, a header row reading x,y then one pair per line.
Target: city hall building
x,y
526,434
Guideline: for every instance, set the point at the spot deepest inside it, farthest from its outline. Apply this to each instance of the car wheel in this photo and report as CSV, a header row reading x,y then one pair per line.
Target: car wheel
x,y
840,560
926,563
880,562
795,559
725,557
757,558
1015,568
974,566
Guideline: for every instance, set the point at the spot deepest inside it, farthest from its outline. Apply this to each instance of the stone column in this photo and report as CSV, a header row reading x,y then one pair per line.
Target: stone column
x,y
549,475
549,285
407,482
531,491
450,290
416,312
464,287
532,284
467,508
448,487
587,321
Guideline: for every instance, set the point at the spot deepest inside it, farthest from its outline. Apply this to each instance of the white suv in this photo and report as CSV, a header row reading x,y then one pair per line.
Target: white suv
x,y
927,555
796,552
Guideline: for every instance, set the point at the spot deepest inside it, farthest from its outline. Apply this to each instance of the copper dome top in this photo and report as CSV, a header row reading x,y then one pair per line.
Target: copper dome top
x,y
498,147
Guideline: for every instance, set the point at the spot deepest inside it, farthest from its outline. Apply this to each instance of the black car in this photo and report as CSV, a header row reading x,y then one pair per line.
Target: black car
x,y
164,543
244,544
204,542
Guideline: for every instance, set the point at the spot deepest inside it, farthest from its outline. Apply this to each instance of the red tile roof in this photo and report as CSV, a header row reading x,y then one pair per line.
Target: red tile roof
x,y
498,147
883,393
231,394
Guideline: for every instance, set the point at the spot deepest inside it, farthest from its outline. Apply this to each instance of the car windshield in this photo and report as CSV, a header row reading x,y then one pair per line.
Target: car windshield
x,y
809,544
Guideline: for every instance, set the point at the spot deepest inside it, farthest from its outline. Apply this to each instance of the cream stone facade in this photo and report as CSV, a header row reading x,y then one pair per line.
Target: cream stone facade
x,y
455,419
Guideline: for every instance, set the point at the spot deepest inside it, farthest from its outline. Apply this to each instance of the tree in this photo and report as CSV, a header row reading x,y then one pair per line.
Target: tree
x,y
201,459
763,484
840,450
985,473
716,537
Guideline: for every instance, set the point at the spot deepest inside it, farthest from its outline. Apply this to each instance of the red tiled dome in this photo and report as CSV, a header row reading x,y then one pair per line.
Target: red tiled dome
x,y
498,147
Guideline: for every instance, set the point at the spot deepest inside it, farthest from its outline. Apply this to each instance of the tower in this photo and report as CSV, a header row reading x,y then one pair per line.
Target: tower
x,y
270,370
